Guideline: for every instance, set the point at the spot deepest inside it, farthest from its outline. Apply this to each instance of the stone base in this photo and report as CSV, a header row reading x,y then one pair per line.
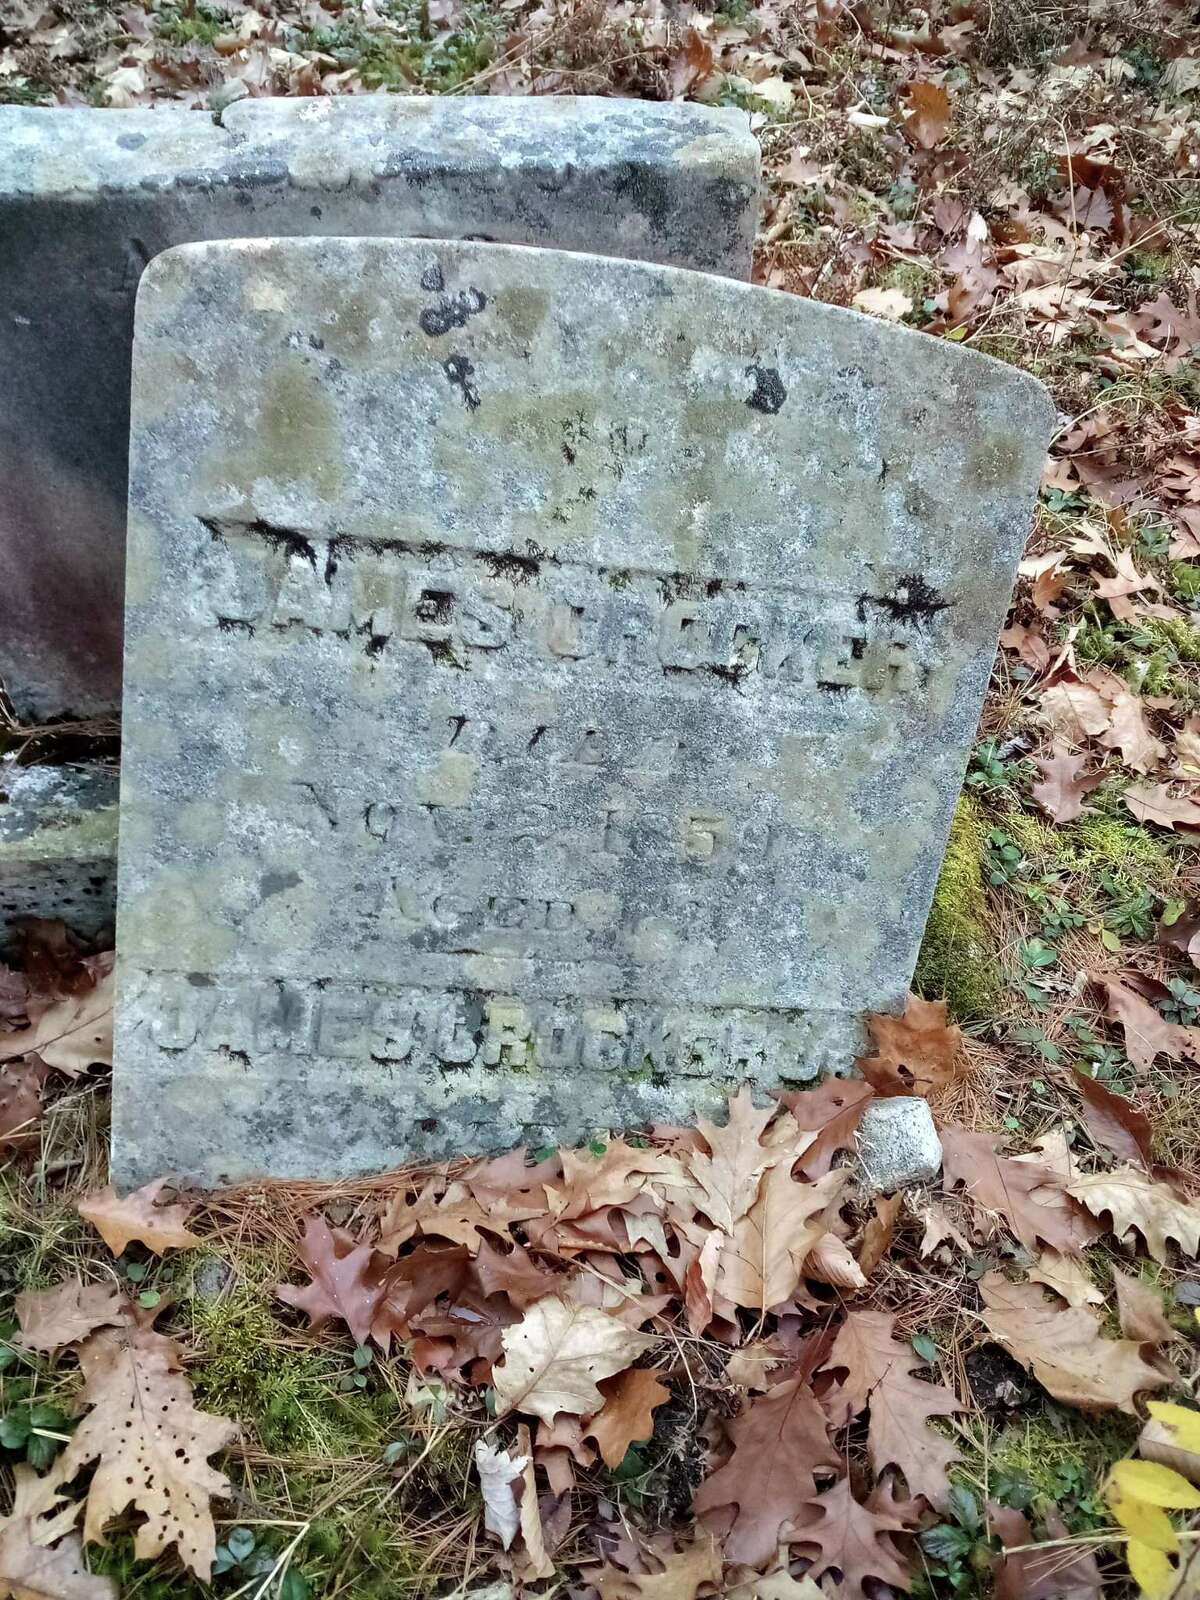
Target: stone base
x,y
58,850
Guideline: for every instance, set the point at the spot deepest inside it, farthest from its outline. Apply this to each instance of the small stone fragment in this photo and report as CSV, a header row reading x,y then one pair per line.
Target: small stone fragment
x,y
898,1144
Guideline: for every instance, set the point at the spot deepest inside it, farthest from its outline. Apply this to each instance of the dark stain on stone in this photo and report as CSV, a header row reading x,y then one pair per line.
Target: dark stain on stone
x,y
769,391
295,544
507,564
432,279
277,882
912,601
460,371
235,625
452,311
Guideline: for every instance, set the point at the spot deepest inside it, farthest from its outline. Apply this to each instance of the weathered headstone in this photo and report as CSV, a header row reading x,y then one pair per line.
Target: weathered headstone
x,y
548,681
87,197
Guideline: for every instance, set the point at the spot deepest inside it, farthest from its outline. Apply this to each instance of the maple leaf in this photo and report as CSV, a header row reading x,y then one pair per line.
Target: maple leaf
x,y
1064,783
762,1261
556,1354
1135,1200
150,1443
72,1033
630,1400
1064,1348
1154,802
780,1442
856,1539
137,1216
928,114
52,1318
32,1565
916,1053
344,1283
728,1173
1027,1194
498,1471
1146,1031
683,1573
879,1374
1113,1121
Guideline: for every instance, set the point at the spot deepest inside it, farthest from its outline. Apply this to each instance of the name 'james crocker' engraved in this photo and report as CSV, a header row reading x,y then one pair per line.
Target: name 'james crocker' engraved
x,y
253,1017
454,604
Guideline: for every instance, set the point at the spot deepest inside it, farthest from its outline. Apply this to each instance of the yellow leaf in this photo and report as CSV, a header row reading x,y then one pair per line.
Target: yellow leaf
x,y
1150,1570
1157,1485
1144,1523
1183,1423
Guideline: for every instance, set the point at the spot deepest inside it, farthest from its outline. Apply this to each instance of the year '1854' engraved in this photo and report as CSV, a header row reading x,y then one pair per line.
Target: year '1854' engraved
x,y
455,604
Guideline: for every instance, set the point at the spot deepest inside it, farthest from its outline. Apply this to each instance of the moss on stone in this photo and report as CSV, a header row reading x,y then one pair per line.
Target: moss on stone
x,y
958,960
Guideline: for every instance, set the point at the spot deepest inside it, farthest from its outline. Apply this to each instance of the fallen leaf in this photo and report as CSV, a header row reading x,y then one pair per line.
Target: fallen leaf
x,y
1172,1437
1129,732
1064,1348
1067,1277
728,1172
763,1259
778,1586
682,1575
1146,1031
32,1565
22,1084
1156,803
780,1441
879,1374
533,1563
630,1400
1064,784
917,1053
1074,711
1027,1194
151,1446
516,1275
830,1261
831,1113
556,1354
1140,1310
137,1217
72,1033
879,1232
52,1318
857,1540
1135,1200
1113,1121
892,304
1030,1574
939,1229
344,1282
928,114
498,1471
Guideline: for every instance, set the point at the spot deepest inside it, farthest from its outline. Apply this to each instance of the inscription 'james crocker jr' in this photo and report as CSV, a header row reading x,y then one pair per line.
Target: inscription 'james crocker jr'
x,y
541,718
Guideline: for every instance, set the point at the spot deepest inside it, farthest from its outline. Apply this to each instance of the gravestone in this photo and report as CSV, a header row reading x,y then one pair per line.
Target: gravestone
x,y
87,197
548,683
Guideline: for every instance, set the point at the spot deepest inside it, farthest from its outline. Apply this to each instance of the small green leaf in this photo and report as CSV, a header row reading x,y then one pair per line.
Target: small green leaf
x,y
597,1147
40,1452
945,1543
14,1430
1109,939
148,1299
241,1542
294,1586
965,1507
363,1356
135,1271
543,1153
924,1346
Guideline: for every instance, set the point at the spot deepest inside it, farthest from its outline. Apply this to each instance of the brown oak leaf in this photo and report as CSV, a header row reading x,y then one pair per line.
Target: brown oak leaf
x,y
516,1275
1130,733
879,1374
1064,783
856,1539
780,1442
1140,1310
681,1575
630,1400
832,1112
72,1033
138,1217
1027,1194
1030,1574
764,1257
555,1356
916,1053
33,1566
728,1172
345,1282
1113,1121
151,1446
22,1084
1146,1031
928,114
1064,1348
52,1318
1154,802
1134,1199
879,1232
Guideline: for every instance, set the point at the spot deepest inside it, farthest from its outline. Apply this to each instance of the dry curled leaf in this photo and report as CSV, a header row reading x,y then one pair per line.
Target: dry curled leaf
x,y
1026,1193
630,1400
1064,1347
40,1558
52,1318
21,1087
1146,1031
119,1220
761,1263
917,1053
1064,783
150,1444
1140,1310
1154,802
728,1172
928,114
1113,1121
555,1356
498,1471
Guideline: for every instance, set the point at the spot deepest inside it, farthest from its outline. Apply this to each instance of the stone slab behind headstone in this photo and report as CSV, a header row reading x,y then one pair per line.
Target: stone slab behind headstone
x,y
536,719
87,197
58,849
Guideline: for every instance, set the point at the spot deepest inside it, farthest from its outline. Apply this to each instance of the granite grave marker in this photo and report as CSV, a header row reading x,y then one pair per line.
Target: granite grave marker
x,y
548,682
